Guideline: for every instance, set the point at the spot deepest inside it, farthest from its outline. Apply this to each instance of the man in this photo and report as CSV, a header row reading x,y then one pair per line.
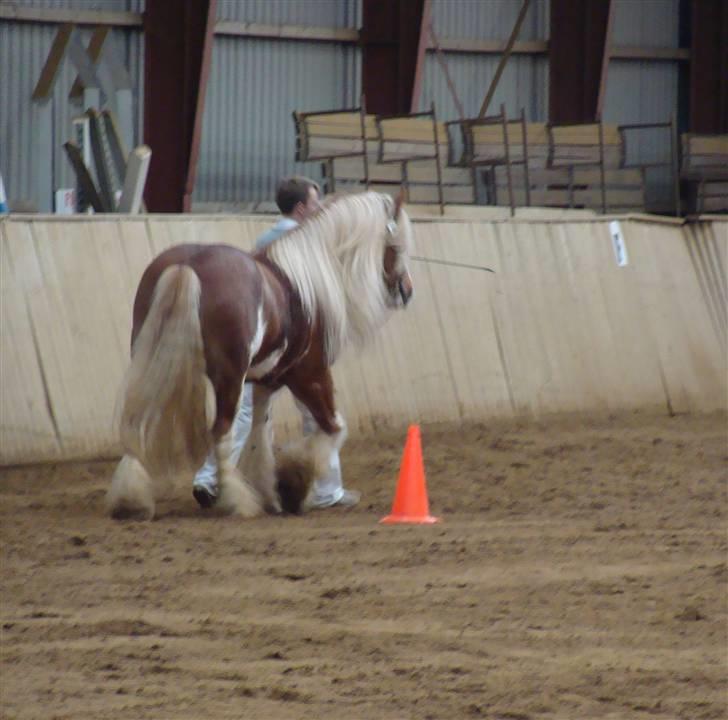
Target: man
x,y
297,199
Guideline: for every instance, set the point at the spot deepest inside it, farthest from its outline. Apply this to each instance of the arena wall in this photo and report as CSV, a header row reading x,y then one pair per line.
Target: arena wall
x,y
560,326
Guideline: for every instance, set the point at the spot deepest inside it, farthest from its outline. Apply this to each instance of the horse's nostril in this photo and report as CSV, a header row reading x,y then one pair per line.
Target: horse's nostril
x,y
405,290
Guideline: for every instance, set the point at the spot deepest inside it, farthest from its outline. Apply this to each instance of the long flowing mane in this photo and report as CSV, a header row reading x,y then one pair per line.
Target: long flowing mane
x,y
334,261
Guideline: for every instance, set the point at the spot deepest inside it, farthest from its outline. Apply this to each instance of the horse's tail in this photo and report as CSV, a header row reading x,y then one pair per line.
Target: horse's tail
x,y
168,403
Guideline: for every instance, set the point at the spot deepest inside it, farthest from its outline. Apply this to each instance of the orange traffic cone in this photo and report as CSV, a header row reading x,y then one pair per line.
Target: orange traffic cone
x,y
410,500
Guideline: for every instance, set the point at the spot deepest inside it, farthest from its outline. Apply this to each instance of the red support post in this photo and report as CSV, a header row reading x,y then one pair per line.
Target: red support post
x,y
576,55
177,49
391,38
709,67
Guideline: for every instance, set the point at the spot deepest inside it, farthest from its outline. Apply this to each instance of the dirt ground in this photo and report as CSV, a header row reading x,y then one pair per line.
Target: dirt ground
x,y
579,571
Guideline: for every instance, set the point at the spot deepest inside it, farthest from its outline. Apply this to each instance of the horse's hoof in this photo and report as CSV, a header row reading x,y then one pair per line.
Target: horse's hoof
x,y
292,487
205,497
128,512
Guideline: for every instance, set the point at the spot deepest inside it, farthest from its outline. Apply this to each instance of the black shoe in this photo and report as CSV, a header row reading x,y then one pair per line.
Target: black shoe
x,y
205,497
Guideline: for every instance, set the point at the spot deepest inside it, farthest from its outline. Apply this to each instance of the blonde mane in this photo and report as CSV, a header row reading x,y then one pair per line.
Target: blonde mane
x,y
334,261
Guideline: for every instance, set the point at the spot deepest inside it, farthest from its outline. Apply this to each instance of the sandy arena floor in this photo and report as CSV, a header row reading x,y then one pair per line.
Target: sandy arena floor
x,y
579,572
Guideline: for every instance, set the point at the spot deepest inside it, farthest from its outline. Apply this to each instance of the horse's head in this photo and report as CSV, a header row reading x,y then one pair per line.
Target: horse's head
x,y
395,271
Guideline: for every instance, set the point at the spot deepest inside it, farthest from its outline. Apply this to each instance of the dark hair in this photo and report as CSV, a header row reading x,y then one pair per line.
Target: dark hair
x,y
294,190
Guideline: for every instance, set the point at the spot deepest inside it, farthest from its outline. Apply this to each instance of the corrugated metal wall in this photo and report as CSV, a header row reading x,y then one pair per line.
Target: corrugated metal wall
x,y
255,84
248,140
24,48
645,90
524,83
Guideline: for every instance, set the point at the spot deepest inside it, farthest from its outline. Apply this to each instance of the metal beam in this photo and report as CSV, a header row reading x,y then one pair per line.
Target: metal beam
x,y
709,67
390,40
177,46
576,55
205,52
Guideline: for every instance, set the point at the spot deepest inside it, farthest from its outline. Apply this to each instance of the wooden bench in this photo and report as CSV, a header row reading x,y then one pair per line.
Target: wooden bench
x,y
569,187
485,142
342,139
421,145
552,165
704,169
336,133
587,144
384,153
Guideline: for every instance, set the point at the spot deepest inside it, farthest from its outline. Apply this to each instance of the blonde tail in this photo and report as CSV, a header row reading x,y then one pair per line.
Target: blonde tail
x,y
168,403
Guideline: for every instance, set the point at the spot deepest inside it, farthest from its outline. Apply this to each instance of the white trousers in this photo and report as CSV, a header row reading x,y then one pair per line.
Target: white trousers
x,y
326,490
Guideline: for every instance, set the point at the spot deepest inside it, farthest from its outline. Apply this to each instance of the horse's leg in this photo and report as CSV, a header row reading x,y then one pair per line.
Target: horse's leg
x,y
131,493
235,495
302,463
258,462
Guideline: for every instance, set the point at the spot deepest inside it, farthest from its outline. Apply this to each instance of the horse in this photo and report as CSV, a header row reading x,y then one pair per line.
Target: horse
x,y
208,318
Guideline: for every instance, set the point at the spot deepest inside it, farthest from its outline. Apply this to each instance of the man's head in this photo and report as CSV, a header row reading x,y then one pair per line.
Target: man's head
x,y
298,197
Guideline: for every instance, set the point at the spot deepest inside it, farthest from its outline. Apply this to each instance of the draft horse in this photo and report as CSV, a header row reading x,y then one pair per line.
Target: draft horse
x,y
208,318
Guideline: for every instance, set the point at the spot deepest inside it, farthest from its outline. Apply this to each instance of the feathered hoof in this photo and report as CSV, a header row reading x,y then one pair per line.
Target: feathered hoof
x,y
125,511
294,477
237,497
130,496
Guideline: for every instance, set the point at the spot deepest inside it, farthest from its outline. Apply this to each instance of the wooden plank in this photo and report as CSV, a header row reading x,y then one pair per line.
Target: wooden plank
x,y
352,168
614,178
587,134
95,45
339,125
90,355
585,155
706,144
477,376
425,171
136,177
27,428
490,47
286,32
453,194
13,11
101,162
418,171
44,87
320,148
647,52
492,133
84,177
563,327
412,130
616,199
393,151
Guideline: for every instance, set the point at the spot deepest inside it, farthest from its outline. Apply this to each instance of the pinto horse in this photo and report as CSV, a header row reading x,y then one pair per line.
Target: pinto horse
x,y
208,318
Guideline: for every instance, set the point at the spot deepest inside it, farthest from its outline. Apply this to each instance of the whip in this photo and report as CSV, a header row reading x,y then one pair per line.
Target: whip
x,y
453,264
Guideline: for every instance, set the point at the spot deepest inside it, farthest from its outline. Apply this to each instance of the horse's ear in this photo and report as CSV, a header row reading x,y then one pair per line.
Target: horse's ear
x,y
398,202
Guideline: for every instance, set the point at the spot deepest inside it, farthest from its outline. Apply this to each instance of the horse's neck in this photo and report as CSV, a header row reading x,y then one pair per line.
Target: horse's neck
x,y
280,284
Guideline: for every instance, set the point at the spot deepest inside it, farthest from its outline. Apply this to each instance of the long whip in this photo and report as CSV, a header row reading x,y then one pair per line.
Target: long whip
x,y
453,264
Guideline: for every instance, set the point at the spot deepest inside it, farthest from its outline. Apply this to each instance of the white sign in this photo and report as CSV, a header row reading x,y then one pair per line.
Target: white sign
x,y
65,201
620,249
3,199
